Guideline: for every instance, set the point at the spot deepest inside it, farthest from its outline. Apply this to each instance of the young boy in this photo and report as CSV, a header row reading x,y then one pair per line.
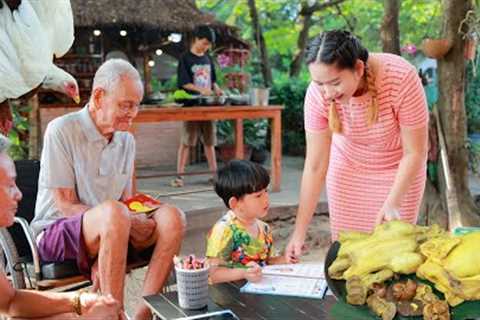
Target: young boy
x,y
240,243
196,75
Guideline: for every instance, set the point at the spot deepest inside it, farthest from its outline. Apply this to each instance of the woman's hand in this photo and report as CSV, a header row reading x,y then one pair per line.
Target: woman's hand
x,y
295,247
254,272
387,213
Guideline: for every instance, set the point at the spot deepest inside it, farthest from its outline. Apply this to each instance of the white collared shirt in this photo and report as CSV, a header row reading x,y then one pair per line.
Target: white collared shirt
x,y
75,155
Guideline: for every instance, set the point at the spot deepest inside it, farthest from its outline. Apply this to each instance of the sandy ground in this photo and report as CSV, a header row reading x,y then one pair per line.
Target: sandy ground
x,y
317,241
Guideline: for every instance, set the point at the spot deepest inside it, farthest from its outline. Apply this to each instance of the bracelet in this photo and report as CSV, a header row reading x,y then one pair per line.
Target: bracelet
x,y
77,303
393,214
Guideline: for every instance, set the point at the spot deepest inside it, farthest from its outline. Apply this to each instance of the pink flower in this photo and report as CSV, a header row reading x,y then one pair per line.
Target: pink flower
x,y
409,49
224,60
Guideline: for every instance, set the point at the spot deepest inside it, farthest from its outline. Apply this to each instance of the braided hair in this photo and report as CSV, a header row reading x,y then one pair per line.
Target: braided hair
x,y
343,49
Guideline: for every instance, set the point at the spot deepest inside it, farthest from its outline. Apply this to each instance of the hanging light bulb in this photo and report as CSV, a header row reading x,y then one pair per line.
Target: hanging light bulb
x,y
123,33
151,63
175,37
97,32
158,52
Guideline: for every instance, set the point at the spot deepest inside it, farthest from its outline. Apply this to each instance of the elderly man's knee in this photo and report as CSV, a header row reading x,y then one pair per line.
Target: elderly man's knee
x,y
115,215
172,218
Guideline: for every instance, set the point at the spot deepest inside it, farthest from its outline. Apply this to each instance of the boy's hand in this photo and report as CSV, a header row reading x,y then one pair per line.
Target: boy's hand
x,y
254,272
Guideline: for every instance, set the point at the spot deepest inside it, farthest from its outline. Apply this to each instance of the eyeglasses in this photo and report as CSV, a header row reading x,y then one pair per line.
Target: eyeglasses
x,y
128,108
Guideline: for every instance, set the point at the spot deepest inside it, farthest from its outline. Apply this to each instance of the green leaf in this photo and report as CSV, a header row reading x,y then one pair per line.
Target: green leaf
x,y
466,310
342,310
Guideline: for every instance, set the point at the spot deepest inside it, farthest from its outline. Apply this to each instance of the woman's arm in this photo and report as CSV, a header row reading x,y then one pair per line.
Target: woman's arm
x,y
313,180
313,177
415,148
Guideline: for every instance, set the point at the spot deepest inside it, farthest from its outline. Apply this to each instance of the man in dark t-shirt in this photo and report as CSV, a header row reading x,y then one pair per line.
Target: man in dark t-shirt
x,y
196,75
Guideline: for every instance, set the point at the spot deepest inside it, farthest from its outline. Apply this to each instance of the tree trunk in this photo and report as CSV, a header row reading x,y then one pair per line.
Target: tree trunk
x,y
306,13
451,72
432,210
389,31
260,41
302,41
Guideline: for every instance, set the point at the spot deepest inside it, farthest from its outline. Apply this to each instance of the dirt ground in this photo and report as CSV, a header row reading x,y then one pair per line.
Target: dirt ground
x,y
317,241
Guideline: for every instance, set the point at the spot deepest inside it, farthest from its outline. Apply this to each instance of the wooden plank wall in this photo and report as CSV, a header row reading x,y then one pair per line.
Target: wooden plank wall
x,y
157,143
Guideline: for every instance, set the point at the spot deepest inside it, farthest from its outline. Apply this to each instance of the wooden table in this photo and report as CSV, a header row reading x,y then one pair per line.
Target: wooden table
x,y
245,306
236,113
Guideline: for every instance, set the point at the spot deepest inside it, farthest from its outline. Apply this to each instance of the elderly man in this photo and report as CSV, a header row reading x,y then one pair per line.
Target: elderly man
x,y
35,304
87,168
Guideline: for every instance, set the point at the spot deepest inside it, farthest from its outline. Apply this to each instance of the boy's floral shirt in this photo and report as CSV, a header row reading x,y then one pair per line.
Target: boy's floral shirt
x,y
229,240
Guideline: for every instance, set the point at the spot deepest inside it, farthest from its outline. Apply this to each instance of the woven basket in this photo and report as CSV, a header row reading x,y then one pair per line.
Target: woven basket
x,y
192,286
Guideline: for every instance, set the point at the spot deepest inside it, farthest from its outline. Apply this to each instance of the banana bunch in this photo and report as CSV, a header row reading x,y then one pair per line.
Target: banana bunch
x,y
453,265
374,258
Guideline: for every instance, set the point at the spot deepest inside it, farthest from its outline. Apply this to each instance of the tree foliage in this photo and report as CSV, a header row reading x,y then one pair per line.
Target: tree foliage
x,y
281,24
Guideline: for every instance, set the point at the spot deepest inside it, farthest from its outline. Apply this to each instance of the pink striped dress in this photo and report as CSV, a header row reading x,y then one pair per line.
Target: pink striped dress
x,y
364,160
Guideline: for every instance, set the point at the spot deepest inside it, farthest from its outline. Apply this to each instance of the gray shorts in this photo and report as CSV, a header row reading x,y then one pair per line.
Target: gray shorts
x,y
191,130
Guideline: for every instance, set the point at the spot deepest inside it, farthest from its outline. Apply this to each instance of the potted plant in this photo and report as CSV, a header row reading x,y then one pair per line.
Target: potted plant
x,y
469,29
436,48
254,136
470,47
226,145
231,62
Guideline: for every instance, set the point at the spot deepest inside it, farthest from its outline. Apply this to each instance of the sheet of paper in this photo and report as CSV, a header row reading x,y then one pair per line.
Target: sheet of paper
x,y
303,270
288,286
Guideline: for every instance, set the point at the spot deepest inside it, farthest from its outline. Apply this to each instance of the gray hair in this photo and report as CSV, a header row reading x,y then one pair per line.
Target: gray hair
x,y
4,144
112,71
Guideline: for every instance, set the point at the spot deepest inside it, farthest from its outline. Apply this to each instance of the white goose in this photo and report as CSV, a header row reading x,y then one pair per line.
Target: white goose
x,y
32,32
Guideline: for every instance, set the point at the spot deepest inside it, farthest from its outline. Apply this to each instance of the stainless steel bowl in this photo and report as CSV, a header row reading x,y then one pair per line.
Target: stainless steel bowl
x,y
213,100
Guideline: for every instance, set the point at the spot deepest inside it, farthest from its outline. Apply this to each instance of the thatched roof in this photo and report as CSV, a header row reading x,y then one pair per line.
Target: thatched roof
x,y
162,15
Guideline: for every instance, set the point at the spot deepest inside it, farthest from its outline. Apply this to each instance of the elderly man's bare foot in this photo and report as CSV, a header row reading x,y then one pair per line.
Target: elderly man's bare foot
x,y
143,313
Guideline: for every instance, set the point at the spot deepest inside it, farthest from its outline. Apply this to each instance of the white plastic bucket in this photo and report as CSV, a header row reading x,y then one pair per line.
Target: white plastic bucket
x,y
192,286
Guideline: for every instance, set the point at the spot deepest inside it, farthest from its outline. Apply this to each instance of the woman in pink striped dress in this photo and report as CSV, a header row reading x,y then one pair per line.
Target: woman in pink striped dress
x,y
366,122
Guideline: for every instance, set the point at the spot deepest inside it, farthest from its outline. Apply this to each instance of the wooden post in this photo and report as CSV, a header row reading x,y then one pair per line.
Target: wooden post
x,y
276,150
147,74
239,153
35,130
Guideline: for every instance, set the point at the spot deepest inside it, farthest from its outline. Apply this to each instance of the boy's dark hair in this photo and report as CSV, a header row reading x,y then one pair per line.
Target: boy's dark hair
x,y
239,178
204,32
338,47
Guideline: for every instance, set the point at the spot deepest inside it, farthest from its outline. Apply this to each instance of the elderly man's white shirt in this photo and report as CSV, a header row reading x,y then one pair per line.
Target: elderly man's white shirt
x,y
75,155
